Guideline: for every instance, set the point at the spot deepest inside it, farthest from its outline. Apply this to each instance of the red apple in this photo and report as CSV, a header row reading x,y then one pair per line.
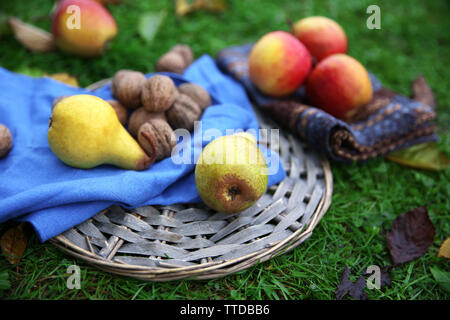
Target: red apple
x,y
339,85
279,63
83,27
322,36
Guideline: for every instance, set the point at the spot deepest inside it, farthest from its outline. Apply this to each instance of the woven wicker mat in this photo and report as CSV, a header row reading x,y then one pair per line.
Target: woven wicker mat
x,y
162,243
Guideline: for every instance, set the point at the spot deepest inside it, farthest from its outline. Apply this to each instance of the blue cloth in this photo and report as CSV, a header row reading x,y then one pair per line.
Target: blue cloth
x,y
36,187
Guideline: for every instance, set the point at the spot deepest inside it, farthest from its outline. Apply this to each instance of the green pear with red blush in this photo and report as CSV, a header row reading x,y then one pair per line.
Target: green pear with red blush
x,y
231,173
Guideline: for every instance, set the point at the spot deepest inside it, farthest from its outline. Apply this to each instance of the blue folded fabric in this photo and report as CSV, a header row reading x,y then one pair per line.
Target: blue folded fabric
x,y
36,187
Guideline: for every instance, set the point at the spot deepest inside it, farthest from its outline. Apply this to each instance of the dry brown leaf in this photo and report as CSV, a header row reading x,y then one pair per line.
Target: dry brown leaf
x,y
13,244
65,78
444,250
31,37
410,236
422,92
348,288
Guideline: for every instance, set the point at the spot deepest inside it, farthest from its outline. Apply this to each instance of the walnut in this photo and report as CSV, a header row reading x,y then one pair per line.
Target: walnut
x,y
186,52
196,93
158,93
171,62
176,60
121,111
157,139
141,116
126,87
183,113
5,141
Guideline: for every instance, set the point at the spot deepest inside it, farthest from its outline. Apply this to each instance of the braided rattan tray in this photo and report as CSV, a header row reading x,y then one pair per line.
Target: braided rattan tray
x,y
162,243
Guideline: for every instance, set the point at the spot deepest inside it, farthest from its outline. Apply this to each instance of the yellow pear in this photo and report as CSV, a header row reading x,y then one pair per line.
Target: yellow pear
x,y
85,132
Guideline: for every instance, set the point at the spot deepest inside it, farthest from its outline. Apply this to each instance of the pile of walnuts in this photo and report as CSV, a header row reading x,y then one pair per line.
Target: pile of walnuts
x,y
159,107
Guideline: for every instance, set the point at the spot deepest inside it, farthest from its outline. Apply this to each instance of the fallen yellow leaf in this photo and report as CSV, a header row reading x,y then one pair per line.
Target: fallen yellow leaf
x,y
182,7
422,156
65,78
210,5
444,250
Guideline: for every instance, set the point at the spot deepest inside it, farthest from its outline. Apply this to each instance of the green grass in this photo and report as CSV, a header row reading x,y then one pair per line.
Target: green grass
x,y
414,40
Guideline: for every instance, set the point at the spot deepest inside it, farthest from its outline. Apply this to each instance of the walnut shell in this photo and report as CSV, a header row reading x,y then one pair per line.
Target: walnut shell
x,y
196,93
126,87
157,139
186,52
121,111
158,94
141,116
183,113
171,62
5,140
